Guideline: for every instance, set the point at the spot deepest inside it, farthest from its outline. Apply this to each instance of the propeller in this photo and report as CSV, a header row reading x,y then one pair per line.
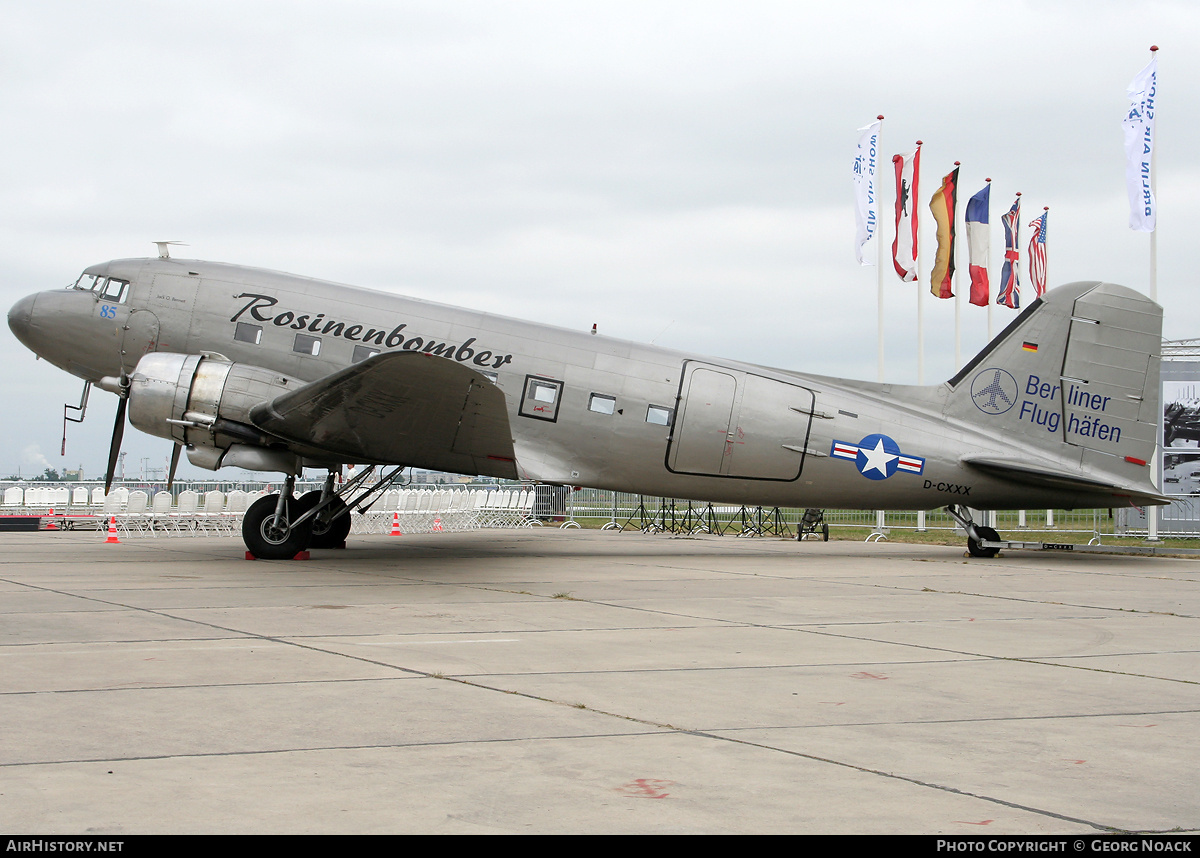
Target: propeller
x,y
114,449
175,451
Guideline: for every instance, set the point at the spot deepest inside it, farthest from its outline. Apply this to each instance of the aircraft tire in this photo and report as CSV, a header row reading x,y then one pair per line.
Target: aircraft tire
x,y
325,534
987,534
825,532
266,541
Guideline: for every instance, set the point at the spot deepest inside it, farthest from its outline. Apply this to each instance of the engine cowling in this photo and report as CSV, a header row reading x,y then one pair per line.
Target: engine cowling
x,y
204,401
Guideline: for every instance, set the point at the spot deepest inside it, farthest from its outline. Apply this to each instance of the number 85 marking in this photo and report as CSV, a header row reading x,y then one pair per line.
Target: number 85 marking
x,y
108,312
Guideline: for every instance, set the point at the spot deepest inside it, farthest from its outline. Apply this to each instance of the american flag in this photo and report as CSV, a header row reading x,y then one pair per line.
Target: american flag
x,y
1037,254
1010,292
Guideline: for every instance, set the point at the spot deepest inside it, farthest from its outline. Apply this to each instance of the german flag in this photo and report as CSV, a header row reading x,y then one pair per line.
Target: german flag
x,y
942,205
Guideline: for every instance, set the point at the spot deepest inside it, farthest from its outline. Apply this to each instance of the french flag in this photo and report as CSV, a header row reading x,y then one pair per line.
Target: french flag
x,y
978,244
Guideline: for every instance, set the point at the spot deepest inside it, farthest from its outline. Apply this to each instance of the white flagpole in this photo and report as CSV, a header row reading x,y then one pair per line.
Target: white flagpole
x,y
880,520
988,263
879,251
958,294
920,286
1154,193
1152,511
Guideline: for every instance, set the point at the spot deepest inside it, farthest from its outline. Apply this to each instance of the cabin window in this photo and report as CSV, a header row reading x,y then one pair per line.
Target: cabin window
x,y
307,345
602,404
490,376
361,353
541,398
658,415
247,333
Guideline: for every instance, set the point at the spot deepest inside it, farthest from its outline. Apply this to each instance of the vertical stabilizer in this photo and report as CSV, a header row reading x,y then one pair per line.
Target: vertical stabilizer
x,y
1076,377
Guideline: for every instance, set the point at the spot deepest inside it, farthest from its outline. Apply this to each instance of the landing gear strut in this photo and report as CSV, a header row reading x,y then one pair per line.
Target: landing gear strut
x,y
280,526
271,527
976,533
331,522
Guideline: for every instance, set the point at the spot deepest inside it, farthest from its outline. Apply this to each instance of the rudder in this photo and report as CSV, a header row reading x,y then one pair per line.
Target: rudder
x,y
1076,374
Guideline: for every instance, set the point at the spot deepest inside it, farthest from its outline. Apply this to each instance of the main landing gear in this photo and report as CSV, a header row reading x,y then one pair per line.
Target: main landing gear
x,y
977,534
280,526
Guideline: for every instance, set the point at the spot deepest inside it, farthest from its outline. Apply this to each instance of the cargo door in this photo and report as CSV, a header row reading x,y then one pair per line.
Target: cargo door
x,y
736,424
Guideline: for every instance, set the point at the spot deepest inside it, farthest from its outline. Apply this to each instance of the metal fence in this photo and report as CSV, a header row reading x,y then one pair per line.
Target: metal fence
x,y
563,506
597,507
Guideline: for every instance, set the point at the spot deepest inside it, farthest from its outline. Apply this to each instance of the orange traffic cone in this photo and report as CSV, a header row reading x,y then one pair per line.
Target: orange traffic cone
x,y
112,532
396,525
51,525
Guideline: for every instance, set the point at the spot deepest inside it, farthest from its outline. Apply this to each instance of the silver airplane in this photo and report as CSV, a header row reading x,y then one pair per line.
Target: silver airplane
x,y
274,372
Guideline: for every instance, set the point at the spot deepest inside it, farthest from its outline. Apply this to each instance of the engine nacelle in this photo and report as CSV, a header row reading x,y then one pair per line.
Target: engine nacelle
x,y
204,402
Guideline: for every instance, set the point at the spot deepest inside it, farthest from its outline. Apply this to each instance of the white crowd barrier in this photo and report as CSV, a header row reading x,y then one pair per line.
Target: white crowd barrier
x,y
205,511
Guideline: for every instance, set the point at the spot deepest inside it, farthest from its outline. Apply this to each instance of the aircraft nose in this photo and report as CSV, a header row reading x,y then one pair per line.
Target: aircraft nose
x,y
20,318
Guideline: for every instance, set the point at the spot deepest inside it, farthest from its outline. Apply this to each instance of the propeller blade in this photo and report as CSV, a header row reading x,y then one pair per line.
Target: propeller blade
x,y
114,449
174,464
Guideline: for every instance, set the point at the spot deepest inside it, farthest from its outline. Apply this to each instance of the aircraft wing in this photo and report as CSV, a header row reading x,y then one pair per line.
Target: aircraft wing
x,y
403,408
1049,478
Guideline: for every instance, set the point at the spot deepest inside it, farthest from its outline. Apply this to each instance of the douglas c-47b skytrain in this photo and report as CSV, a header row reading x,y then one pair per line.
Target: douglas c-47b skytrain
x,y
274,372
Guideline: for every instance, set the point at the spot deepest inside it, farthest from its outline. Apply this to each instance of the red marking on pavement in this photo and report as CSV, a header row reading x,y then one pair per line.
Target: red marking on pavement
x,y
646,788
984,822
864,675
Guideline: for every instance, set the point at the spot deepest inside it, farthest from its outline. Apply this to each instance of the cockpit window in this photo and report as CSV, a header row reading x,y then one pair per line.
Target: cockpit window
x,y
114,290
108,288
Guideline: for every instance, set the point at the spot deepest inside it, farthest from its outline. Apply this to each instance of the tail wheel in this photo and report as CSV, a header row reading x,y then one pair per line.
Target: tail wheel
x,y
986,534
269,538
327,531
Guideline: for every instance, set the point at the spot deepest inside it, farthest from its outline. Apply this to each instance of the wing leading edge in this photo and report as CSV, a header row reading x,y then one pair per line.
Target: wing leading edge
x,y
404,408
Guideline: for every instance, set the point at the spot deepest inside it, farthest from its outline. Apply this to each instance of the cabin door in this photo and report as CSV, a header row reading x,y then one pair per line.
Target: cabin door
x,y
731,423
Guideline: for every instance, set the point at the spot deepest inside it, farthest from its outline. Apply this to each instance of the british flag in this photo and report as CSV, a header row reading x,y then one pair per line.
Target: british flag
x,y
1010,290
1037,253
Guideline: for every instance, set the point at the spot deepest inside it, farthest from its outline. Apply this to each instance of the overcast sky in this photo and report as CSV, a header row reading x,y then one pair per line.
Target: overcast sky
x,y
676,172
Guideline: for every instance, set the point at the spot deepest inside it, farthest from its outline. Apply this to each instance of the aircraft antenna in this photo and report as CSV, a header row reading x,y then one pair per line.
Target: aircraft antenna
x,y
163,251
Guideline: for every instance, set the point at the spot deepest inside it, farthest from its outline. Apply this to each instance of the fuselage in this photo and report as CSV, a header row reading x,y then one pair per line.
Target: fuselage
x,y
584,409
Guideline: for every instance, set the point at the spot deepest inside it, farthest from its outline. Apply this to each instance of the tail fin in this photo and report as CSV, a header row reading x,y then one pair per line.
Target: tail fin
x,y
1075,378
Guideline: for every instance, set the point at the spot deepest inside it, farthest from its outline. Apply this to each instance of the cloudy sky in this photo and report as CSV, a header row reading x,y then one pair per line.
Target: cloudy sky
x,y
676,172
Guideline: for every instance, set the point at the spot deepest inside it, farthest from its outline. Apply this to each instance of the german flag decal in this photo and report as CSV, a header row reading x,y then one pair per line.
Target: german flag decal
x,y
1029,347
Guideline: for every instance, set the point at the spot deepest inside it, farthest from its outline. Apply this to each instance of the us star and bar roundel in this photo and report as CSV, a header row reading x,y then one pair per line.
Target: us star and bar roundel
x,y
877,457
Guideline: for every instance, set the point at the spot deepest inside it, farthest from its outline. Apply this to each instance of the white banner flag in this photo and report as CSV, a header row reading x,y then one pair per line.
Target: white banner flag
x,y
866,210
1139,148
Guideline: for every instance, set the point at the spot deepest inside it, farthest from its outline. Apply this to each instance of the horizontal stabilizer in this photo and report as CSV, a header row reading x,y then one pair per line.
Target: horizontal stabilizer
x,y
1049,478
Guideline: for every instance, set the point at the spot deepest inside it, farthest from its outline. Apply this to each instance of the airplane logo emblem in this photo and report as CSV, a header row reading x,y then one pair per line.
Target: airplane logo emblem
x,y
877,457
994,391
